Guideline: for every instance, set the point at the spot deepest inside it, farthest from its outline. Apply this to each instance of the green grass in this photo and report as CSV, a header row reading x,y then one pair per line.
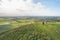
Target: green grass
x,y
55,25
36,31
6,27
12,24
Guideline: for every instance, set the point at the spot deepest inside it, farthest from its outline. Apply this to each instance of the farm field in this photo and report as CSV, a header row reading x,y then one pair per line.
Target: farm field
x,y
33,31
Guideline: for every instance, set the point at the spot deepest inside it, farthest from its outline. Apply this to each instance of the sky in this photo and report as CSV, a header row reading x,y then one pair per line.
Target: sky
x,y
30,8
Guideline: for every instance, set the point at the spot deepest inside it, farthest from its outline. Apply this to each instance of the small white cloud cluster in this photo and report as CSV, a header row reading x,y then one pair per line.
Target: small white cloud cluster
x,y
22,8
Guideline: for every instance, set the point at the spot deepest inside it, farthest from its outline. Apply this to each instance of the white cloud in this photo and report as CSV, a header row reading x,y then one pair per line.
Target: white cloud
x,y
23,8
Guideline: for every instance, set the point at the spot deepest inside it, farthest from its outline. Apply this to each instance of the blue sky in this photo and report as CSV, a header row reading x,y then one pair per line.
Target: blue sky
x,y
52,4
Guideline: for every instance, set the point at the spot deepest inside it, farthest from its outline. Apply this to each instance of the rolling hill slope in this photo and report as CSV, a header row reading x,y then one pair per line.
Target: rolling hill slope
x,y
36,31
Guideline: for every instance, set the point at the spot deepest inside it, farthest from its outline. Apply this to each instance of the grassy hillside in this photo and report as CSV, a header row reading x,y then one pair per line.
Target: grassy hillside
x,y
8,24
35,31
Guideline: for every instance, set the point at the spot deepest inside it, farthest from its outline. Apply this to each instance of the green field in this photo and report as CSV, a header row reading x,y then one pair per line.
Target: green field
x,y
8,24
33,31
